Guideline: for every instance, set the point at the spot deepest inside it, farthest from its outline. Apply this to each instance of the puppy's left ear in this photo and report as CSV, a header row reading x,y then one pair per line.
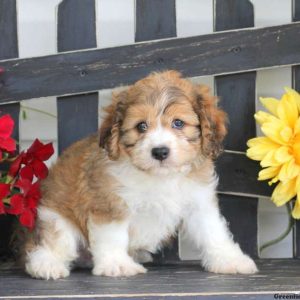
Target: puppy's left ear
x,y
213,122
111,125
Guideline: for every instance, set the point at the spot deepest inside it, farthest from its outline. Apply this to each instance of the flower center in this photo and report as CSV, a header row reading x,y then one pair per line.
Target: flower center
x,y
296,148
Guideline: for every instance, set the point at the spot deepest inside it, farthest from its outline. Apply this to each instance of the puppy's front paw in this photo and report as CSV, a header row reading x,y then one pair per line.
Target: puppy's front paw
x,y
242,264
42,264
118,267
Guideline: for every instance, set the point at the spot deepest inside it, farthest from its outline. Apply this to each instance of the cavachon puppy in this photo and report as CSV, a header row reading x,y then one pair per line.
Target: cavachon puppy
x,y
152,173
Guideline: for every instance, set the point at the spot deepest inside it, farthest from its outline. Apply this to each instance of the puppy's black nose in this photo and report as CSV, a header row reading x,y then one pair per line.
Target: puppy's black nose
x,y
160,153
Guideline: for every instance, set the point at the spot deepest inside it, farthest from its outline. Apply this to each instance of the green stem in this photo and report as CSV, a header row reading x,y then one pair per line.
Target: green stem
x,y
39,110
284,234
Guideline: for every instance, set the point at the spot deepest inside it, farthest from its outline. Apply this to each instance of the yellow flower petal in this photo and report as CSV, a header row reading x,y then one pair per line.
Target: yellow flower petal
x,y
297,127
284,192
282,155
277,132
262,117
287,110
289,171
270,104
268,173
259,147
293,94
269,160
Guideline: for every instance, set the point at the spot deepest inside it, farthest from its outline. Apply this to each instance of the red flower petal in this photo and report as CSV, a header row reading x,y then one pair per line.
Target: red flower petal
x,y
16,205
4,190
40,170
15,165
6,126
26,173
36,145
25,185
8,144
27,218
45,152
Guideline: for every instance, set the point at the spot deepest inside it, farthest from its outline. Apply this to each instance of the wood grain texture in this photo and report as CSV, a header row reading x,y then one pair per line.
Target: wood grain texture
x,y
296,85
78,114
175,281
86,71
156,19
8,49
237,93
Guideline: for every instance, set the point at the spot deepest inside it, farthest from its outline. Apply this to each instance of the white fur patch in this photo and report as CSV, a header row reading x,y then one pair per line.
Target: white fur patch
x,y
109,247
52,258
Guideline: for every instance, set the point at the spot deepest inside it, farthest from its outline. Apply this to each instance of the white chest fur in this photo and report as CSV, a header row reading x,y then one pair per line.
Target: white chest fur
x,y
157,203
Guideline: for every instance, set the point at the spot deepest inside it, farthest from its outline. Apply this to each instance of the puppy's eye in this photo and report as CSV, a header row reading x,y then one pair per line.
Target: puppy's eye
x,y
142,127
177,124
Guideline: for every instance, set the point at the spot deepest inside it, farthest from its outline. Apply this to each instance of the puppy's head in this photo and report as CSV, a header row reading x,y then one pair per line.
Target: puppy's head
x,y
163,122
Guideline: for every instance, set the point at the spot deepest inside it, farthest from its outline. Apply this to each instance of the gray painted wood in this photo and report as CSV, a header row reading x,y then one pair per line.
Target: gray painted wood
x,y
156,19
8,29
78,114
8,49
237,93
238,174
174,280
296,85
217,53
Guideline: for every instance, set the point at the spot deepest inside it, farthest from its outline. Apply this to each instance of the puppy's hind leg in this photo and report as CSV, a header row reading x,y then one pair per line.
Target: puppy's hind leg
x,y
109,247
56,246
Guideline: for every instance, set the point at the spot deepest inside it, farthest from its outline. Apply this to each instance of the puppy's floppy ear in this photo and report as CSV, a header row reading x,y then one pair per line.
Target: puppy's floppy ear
x,y
212,122
111,125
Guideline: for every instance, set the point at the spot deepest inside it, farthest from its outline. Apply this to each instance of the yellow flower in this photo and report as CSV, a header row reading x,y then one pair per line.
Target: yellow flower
x,y
279,150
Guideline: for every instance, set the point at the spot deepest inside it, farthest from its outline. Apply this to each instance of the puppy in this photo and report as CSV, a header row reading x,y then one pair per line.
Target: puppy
x,y
152,172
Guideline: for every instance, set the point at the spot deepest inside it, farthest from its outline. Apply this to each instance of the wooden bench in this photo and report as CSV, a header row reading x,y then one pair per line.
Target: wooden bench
x,y
76,76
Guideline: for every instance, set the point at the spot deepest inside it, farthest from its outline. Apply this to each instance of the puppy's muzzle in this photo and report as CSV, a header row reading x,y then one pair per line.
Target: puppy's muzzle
x,y
160,153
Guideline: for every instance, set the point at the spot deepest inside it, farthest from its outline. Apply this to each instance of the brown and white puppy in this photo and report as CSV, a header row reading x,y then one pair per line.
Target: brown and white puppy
x,y
153,172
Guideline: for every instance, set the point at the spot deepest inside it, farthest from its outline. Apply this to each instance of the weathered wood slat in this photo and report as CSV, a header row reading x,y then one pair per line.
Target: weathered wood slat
x,y
78,114
237,93
8,49
80,72
8,30
161,282
156,19
296,85
238,175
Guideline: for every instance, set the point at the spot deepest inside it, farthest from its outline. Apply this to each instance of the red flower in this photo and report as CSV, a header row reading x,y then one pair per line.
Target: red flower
x,y
33,161
6,128
4,191
25,204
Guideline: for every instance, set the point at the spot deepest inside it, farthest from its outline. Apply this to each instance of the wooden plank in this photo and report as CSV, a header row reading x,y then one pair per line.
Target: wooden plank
x,y
237,93
78,114
296,85
8,29
156,19
238,175
8,49
77,118
175,280
217,53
